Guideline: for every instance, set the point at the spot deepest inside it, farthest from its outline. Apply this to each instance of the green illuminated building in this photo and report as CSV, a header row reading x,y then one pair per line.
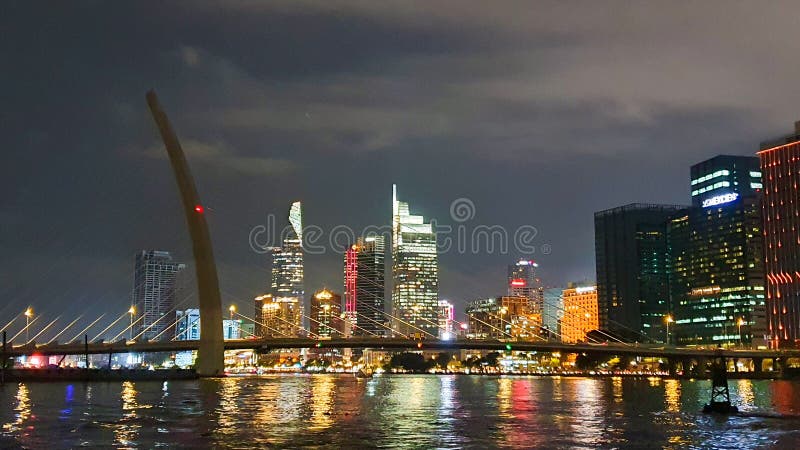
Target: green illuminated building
x,y
716,256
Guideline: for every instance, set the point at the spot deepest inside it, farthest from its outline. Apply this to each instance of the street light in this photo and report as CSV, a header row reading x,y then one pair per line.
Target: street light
x,y
668,319
132,312
232,309
740,322
28,315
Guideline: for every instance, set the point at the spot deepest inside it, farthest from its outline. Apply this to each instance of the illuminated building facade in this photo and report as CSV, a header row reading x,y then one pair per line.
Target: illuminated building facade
x,y
415,272
446,316
287,260
552,312
187,327
522,282
364,280
715,180
505,318
716,256
277,316
326,311
632,269
581,313
154,292
780,165
232,329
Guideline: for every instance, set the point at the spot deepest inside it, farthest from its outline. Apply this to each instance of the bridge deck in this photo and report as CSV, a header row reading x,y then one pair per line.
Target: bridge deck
x,y
394,344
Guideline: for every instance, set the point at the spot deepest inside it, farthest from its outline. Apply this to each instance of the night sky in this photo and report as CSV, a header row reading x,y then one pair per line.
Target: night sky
x,y
539,113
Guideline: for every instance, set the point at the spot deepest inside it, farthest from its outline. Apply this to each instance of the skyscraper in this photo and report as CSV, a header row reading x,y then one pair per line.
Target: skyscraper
x,y
287,261
326,309
277,316
154,293
522,282
446,316
780,165
415,272
364,277
714,180
716,255
632,275
552,312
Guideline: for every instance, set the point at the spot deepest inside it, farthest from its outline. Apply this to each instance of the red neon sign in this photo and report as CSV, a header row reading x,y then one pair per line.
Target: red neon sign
x,y
518,282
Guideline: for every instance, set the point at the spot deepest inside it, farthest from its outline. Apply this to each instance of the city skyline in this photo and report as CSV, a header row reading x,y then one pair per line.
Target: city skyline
x,y
318,129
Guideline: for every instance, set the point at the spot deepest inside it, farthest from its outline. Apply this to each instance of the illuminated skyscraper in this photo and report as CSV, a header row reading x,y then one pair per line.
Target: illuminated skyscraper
x,y
287,261
326,309
364,278
415,272
522,282
277,316
716,256
446,316
780,164
154,290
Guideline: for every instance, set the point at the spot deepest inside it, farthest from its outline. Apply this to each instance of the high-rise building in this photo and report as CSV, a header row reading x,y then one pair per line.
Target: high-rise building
x,y
415,272
504,318
552,312
780,165
287,260
446,317
364,281
187,327
483,320
580,313
715,180
154,293
716,256
632,273
326,311
522,282
277,316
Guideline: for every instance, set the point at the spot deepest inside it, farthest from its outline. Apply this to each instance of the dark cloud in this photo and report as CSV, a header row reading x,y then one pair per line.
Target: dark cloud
x,y
540,113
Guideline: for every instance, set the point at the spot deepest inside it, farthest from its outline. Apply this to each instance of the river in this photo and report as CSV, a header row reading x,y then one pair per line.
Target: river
x,y
396,411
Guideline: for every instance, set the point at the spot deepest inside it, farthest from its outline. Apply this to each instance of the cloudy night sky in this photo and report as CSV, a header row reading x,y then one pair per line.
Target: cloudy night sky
x,y
540,113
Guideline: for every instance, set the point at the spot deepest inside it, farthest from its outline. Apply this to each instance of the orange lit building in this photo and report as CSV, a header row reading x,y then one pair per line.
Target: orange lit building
x,y
277,316
580,313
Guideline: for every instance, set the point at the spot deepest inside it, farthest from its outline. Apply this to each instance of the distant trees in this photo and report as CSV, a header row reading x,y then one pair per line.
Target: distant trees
x,y
410,362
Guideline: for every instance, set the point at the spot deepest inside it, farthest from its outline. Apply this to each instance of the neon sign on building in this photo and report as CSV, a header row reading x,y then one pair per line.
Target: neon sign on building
x,y
720,199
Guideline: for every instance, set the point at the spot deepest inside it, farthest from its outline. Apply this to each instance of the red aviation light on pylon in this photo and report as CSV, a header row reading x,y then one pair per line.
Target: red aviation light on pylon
x,y
199,209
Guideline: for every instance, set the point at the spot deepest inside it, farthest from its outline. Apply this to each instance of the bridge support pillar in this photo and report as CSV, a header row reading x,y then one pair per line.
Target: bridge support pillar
x,y
702,367
672,366
210,354
735,365
779,365
758,365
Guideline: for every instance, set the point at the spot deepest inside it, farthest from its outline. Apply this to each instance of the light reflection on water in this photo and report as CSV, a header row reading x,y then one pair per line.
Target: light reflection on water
x,y
413,411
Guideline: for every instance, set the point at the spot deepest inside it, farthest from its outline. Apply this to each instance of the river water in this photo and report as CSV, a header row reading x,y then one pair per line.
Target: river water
x,y
398,411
